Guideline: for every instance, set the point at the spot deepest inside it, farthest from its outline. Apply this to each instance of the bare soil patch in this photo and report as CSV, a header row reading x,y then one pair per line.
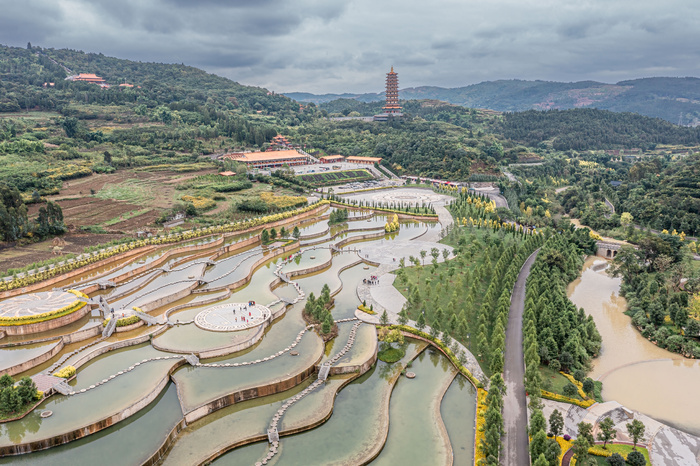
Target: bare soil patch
x,y
20,256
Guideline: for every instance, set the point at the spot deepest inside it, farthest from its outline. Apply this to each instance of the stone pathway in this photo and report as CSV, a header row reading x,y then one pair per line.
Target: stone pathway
x,y
272,432
667,446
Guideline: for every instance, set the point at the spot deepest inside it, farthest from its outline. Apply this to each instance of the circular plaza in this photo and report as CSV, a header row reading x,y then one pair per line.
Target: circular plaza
x,y
40,311
231,317
404,196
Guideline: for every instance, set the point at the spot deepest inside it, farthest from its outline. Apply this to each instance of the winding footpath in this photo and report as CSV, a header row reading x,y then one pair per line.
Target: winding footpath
x,y
515,445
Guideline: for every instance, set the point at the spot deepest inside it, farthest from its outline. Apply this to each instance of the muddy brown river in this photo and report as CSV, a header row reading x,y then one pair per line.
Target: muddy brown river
x,y
634,371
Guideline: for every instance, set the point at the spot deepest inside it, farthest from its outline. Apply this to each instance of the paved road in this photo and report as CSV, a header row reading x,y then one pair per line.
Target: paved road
x,y
515,445
495,195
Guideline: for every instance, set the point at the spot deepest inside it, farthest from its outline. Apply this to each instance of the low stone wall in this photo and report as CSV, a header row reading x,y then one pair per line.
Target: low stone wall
x,y
35,361
128,328
315,235
250,393
197,303
213,353
169,441
79,271
82,335
346,241
47,324
236,246
95,426
356,368
116,345
165,300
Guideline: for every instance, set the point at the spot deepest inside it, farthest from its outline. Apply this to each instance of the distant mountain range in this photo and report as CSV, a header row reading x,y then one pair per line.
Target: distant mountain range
x,y
674,99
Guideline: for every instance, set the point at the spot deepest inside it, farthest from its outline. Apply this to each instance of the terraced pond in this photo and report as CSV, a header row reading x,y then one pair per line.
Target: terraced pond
x,y
276,393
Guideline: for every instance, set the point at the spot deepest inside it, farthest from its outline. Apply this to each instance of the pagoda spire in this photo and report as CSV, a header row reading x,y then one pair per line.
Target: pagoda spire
x,y
392,92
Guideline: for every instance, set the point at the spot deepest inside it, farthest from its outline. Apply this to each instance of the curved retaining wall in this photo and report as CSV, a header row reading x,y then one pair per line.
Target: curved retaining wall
x,y
165,300
249,393
358,368
47,324
74,337
239,283
116,345
354,239
95,426
128,328
146,249
35,361
285,432
197,303
315,235
169,441
81,270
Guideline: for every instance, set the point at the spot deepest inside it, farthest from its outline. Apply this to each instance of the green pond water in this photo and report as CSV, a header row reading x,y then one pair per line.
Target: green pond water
x,y
363,410
414,435
130,442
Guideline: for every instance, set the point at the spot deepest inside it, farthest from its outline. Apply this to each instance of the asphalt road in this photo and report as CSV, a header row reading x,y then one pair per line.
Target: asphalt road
x,y
515,445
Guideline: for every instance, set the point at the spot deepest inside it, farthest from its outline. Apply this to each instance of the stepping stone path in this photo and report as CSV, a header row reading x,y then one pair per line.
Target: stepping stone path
x,y
131,368
272,430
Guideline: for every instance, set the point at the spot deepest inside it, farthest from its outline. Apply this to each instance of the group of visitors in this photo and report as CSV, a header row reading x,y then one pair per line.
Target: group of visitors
x,y
372,280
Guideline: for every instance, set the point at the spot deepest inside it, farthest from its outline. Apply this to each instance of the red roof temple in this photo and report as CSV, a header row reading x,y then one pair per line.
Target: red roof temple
x,y
392,93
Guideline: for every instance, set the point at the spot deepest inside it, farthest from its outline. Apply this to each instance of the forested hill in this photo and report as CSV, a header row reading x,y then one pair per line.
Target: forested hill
x,y
23,72
583,129
672,99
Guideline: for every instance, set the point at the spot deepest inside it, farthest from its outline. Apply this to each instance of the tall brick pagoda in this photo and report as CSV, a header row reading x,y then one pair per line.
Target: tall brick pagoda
x,y
392,93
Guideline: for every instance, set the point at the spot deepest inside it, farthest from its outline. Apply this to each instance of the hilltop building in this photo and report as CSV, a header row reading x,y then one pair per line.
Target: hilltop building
x,y
391,107
363,160
270,159
279,142
392,93
88,78
332,159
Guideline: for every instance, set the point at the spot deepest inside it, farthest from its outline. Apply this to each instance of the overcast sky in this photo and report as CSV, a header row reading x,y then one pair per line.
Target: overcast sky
x,y
348,45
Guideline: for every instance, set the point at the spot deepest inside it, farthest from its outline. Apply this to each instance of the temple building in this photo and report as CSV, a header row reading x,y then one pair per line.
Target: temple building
x,y
272,159
392,93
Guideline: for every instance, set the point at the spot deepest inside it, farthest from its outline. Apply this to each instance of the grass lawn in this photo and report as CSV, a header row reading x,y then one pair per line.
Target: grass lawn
x,y
391,354
132,190
554,382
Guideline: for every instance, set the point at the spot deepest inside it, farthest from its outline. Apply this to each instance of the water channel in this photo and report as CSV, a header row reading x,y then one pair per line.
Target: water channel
x,y
634,371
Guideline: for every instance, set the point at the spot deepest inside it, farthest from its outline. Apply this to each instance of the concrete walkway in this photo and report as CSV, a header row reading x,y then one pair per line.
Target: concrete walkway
x,y
384,296
667,446
516,445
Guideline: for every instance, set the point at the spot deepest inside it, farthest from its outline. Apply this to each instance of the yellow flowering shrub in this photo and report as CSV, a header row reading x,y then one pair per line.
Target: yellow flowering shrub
x,y
566,399
282,202
364,308
66,372
579,385
200,202
480,436
38,276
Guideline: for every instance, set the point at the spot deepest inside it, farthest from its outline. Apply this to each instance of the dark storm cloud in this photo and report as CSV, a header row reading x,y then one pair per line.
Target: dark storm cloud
x,y
336,46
